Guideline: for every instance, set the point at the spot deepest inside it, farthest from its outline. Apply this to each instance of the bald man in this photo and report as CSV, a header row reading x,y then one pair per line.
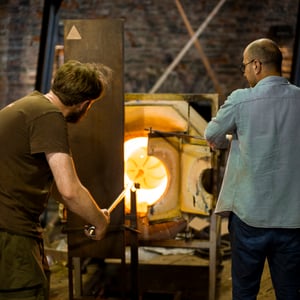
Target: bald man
x,y
261,191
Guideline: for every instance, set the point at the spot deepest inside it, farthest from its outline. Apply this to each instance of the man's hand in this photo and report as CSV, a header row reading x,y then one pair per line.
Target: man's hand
x,y
211,145
98,233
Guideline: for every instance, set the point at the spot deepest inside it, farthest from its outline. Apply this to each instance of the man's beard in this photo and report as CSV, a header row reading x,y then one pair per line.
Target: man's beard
x,y
76,116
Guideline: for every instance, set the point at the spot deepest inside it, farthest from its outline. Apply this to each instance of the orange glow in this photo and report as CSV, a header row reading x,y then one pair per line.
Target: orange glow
x,y
148,171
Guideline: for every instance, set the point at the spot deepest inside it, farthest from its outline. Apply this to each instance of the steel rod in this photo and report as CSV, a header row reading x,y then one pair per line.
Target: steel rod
x,y
186,47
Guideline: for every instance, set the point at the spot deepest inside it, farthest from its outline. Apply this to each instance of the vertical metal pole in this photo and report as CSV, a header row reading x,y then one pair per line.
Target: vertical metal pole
x,y
134,245
215,225
213,254
47,45
77,277
70,276
295,73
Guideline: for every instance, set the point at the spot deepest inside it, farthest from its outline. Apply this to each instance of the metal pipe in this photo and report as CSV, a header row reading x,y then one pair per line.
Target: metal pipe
x,y
202,54
186,47
47,45
117,201
134,258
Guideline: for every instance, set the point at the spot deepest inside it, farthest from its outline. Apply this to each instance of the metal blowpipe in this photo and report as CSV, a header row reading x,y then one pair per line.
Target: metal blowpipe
x,y
91,228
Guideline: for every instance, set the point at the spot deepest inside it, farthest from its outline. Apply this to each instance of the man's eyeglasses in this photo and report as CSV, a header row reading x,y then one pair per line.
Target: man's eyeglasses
x,y
243,66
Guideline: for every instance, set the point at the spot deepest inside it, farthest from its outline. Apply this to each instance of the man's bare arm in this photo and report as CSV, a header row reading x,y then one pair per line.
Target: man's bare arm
x,y
74,195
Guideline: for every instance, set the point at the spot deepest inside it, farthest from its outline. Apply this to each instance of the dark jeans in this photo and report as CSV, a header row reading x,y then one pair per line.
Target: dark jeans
x,y
251,246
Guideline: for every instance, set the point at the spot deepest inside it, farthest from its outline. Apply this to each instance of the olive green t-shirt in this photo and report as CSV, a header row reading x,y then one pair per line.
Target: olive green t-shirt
x,y
29,128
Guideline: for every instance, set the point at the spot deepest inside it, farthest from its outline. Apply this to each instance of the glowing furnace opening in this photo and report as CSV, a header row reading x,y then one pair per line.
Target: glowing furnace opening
x,y
148,171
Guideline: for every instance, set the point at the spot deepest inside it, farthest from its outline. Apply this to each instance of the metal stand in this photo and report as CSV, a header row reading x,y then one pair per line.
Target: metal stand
x,y
134,244
75,277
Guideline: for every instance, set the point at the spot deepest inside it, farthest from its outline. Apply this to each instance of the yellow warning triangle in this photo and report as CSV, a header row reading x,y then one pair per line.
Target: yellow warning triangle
x,y
73,34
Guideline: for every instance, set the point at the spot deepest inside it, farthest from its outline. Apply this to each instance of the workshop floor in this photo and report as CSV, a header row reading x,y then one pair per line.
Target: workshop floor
x,y
163,269
160,269
59,284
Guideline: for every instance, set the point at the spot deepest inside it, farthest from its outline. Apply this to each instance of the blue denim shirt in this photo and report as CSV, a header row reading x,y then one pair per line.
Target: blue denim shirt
x,y
261,183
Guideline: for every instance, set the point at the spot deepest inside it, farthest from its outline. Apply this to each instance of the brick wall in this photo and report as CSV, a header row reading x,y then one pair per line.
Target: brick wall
x,y
154,35
19,44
